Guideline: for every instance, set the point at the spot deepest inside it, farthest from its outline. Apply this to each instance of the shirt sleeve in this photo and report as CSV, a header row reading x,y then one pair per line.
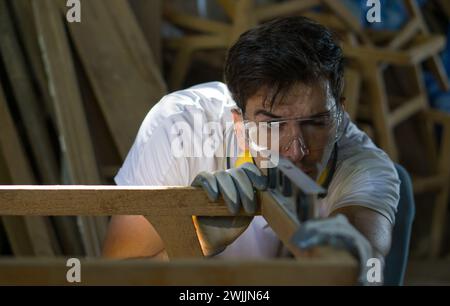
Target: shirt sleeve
x,y
150,161
368,179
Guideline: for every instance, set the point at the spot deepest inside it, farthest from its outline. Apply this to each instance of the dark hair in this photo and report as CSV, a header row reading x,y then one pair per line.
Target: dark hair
x,y
281,53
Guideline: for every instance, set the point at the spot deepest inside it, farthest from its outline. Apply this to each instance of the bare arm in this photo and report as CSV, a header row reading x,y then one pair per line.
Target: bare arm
x,y
373,225
132,237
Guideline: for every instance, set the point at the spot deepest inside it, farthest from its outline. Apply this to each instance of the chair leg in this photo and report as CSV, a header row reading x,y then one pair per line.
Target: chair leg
x,y
441,205
439,222
374,83
180,68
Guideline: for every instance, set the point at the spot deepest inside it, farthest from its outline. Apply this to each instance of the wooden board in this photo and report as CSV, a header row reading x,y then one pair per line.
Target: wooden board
x,y
169,208
149,17
119,65
75,140
29,106
309,271
27,235
102,200
25,24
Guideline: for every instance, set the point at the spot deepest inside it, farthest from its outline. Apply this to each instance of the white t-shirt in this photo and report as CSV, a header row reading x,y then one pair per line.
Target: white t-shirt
x,y
364,175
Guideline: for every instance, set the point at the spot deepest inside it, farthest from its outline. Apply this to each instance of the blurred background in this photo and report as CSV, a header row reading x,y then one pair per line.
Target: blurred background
x,y
73,95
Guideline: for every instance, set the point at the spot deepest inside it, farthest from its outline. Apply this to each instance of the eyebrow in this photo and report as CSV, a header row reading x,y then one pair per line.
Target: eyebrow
x,y
272,115
266,113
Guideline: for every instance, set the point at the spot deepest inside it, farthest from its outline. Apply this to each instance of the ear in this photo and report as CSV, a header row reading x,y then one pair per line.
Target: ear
x,y
237,116
343,102
239,129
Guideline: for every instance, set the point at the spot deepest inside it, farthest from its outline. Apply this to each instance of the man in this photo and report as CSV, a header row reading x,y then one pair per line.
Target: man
x,y
288,75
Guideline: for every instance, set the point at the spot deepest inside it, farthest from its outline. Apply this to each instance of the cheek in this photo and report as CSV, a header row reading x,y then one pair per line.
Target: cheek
x,y
314,156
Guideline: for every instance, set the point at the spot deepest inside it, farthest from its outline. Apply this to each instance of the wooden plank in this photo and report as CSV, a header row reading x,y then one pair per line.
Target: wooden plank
x,y
244,19
149,17
352,91
405,111
347,18
119,65
196,42
25,22
373,80
439,221
286,8
311,271
405,34
26,99
170,209
281,221
27,235
102,200
374,54
196,23
326,19
429,184
229,7
427,48
179,236
75,140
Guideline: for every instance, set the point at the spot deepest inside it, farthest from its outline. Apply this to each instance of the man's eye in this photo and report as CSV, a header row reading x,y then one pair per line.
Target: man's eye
x,y
322,121
274,125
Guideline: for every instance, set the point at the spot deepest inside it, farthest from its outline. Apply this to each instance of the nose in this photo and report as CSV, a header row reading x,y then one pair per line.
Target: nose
x,y
296,149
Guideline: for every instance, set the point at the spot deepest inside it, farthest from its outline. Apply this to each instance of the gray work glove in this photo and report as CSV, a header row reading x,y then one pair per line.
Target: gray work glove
x,y
339,233
237,187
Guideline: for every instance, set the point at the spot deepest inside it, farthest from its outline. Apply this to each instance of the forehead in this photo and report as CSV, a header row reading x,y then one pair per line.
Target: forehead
x,y
301,100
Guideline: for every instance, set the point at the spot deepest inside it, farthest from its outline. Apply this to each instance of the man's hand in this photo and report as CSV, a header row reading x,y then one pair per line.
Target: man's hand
x,y
237,187
339,233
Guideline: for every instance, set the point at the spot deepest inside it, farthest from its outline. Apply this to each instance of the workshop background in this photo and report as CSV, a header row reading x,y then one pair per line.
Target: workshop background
x,y
72,97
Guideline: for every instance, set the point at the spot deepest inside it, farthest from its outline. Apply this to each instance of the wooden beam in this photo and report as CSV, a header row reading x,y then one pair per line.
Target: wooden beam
x,y
347,18
25,22
170,209
311,271
29,106
378,101
149,17
27,235
352,91
120,67
75,140
405,34
374,54
406,110
196,23
102,200
179,236
293,7
229,7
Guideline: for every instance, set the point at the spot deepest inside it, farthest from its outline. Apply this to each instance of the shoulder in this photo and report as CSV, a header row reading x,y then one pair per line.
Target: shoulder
x,y
204,102
365,175
152,159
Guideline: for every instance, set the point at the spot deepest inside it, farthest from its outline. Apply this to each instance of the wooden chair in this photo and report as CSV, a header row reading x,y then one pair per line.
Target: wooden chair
x,y
410,47
243,15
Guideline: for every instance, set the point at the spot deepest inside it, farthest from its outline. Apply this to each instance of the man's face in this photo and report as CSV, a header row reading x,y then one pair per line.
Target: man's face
x,y
303,101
